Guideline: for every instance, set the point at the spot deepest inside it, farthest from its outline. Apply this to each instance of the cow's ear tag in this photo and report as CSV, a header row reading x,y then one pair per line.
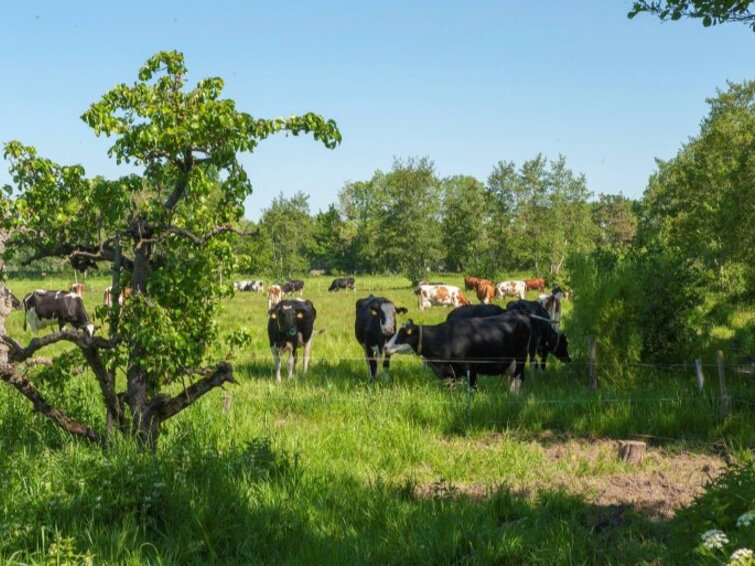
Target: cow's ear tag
x,y
409,331
299,315
374,312
273,315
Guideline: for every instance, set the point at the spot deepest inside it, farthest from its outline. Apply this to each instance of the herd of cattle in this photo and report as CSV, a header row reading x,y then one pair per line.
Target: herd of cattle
x,y
481,339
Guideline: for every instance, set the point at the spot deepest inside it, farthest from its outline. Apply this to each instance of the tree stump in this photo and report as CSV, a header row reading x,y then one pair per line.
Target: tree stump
x,y
632,451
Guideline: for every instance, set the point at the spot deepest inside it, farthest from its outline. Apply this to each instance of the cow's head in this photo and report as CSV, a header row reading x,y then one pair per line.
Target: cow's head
x,y
558,345
386,313
406,340
285,317
90,329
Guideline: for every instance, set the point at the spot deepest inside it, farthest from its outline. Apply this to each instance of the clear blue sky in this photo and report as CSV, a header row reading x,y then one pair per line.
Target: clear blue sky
x,y
466,83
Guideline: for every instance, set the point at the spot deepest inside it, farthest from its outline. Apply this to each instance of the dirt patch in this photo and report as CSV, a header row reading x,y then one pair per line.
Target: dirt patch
x,y
666,481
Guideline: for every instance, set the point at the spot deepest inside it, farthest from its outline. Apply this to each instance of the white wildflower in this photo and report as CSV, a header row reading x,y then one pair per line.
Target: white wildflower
x,y
746,519
741,557
714,539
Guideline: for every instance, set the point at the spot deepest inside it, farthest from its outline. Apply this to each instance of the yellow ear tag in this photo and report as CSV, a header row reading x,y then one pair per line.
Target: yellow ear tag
x,y
299,315
273,315
374,312
409,331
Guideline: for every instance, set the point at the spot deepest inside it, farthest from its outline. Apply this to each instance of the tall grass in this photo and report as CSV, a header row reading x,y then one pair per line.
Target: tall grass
x,y
332,468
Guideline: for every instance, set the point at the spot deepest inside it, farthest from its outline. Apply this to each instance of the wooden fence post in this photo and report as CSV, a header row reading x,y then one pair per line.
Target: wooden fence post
x,y
699,374
725,398
592,353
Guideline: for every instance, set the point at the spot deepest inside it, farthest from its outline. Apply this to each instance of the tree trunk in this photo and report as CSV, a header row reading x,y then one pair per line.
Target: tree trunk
x,y
5,307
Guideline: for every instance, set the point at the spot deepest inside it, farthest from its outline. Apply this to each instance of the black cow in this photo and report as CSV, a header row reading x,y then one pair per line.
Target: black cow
x,y
375,324
488,346
474,311
291,286
342,283
43,308
540,317
291,324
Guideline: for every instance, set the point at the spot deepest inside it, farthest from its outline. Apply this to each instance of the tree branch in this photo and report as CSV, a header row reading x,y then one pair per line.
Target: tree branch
x,y
164,407
25,387
19,354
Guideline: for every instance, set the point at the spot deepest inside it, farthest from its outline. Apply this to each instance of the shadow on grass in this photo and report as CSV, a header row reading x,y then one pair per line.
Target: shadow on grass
x,y
255,503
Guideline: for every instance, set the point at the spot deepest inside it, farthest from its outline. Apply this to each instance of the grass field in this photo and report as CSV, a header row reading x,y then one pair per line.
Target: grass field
x,y
332,468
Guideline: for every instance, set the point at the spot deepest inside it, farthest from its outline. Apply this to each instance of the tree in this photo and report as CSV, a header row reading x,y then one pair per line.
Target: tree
x,y
615,221
701,203
164,233
287,224
711,12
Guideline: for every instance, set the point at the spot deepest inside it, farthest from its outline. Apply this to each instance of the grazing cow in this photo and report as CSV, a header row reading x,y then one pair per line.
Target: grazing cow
x,y
342,283
78,288
257,286
541,322
107,296
493,345
374,325
552,304
485,291
291,324
474,311
514,288
43,308
430,295
535,284
274,296
470,283
424,282
293,285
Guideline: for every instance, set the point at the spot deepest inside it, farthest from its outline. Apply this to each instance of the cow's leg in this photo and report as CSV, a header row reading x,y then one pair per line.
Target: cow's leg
x,y
472,373
307,353
292,362
369,355
276,363
386,362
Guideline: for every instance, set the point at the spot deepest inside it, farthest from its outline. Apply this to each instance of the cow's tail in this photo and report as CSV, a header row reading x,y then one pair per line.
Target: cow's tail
x,y
26,298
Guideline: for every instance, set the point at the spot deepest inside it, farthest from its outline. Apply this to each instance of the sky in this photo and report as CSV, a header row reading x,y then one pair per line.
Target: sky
x,y
467,84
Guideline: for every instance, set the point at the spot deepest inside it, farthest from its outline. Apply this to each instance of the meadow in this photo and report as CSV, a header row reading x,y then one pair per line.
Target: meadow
x,y
331,467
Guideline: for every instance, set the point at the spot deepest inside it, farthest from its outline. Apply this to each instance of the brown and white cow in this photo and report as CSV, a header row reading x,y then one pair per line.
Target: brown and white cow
x,y
535,284
107,296
78,288
274,295
511,288
484,289
445,295
552,303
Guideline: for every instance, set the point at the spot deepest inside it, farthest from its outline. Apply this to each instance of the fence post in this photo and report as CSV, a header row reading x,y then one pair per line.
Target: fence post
x,y
725,399
699,374
592,353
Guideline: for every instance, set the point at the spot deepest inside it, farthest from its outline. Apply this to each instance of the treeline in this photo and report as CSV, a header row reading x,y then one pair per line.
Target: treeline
x,y
409,220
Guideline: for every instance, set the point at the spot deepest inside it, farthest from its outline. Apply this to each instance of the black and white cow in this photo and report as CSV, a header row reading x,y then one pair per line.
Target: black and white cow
x,y
292,285
493,345
374,325
43,308
290,325
543,331
474,311
257,286
342,283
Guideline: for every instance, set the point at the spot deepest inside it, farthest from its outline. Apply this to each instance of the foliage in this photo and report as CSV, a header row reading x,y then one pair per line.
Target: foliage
x,y
700,202
727,504
711,12
164,232
288,227
615,221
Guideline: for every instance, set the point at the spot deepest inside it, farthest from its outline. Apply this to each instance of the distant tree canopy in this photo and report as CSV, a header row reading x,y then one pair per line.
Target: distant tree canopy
x,y
711,12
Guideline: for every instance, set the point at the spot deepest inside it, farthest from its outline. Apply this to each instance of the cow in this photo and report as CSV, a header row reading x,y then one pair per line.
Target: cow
x,y
446,295
552,303
290,325
424,282
536,311
293,285
470,283
343,283
256,286
374,325
107,296
78,288
316,272
493,345
535,284
485,291
274,295
43,308
474,311
514,288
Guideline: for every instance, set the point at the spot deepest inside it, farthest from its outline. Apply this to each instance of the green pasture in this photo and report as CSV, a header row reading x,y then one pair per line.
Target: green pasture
x,y
331,468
